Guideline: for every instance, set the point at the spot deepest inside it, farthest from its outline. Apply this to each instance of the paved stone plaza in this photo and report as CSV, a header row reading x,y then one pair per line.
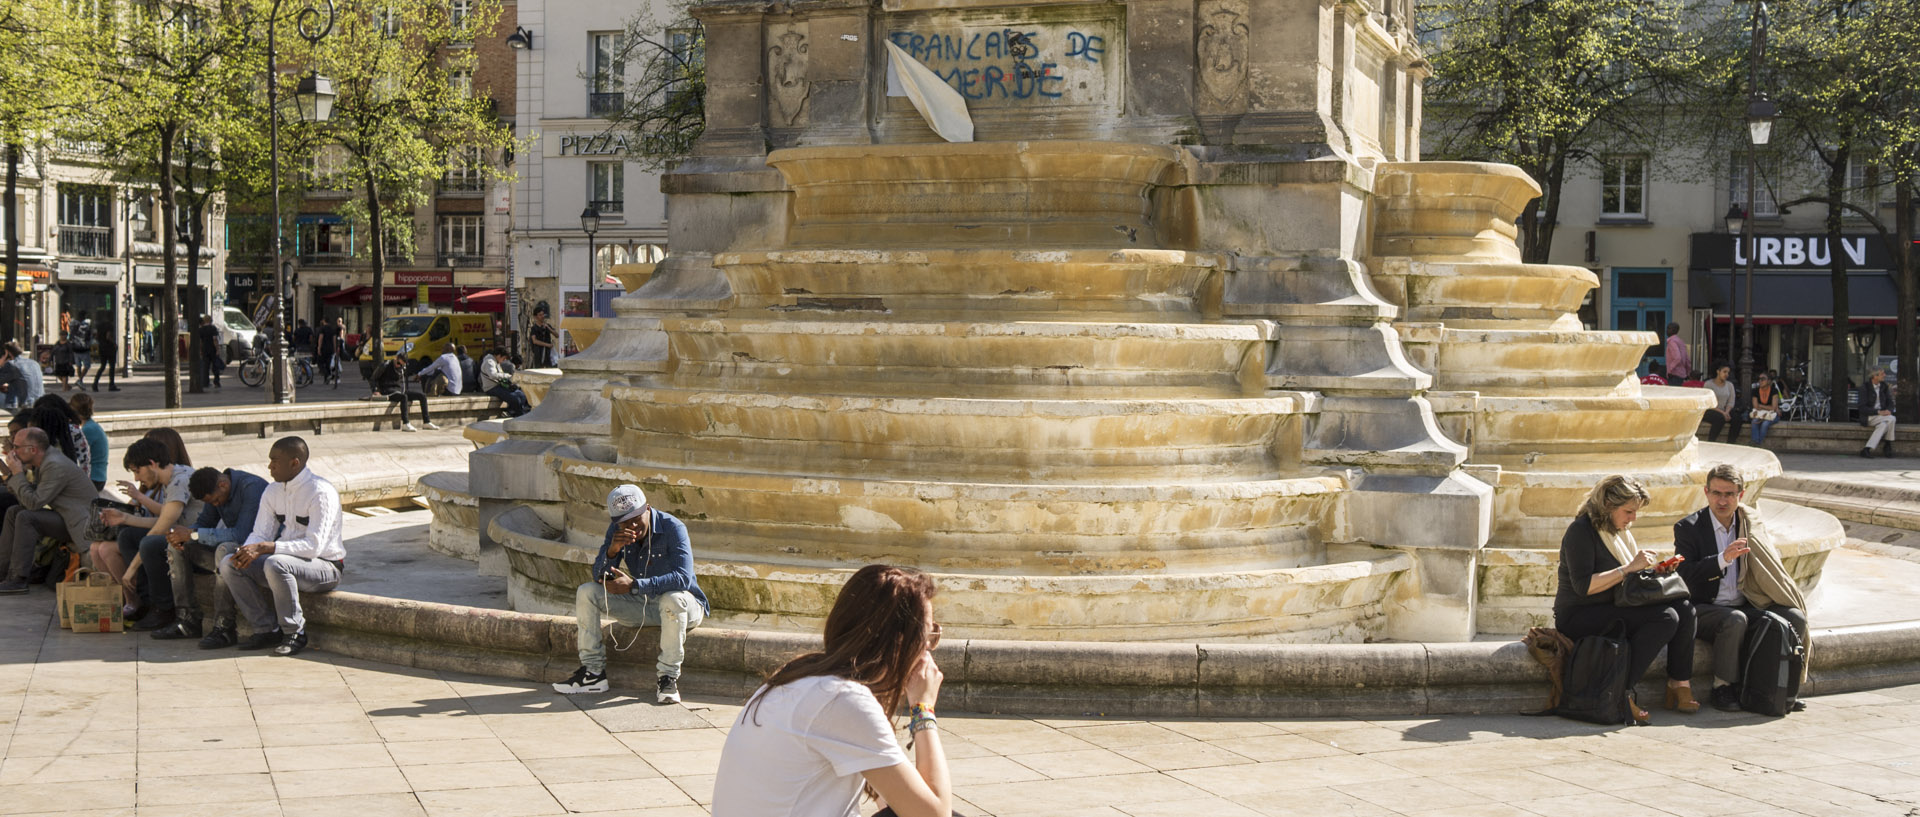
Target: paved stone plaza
x,y
123,725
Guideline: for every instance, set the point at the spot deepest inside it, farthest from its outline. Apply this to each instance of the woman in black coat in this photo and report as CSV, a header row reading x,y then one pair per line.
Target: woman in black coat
x,y
1598,552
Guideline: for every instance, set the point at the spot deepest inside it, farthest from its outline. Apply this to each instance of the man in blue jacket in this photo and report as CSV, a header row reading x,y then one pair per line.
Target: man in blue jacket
x,y
643,576
231,501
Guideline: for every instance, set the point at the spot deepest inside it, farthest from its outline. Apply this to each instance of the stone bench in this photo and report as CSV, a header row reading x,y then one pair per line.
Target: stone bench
x,y
1825,438
316,418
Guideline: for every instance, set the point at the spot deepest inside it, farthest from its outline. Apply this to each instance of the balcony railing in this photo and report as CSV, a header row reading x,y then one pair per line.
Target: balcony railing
x,y
605,208
461,260
463,183
86,242
606,104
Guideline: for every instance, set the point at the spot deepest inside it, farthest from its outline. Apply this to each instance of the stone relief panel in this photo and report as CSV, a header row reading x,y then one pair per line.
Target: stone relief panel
x,y
1222,38
787,83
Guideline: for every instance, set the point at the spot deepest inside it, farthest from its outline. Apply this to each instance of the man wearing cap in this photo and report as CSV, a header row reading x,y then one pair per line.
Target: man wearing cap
x,y
643,576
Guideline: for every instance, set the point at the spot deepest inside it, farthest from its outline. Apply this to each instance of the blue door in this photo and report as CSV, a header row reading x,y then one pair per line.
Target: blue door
x,y
1643,300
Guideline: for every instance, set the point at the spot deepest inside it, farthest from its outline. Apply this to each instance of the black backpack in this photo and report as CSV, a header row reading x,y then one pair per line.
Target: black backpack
x,y
1771,662
1594,686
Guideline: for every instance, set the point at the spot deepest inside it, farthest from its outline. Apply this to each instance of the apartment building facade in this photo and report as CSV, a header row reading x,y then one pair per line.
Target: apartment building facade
x,y
90,246
1654,228
570,80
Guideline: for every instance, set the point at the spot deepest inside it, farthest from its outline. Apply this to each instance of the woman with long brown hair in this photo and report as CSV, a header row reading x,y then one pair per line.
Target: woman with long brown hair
x,y
820,728
1597,553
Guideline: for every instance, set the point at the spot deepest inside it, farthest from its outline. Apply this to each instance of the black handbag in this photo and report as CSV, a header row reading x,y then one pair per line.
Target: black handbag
x,y
1645,588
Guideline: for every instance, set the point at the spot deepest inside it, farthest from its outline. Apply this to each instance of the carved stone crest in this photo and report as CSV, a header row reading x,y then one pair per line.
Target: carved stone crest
x,y
787,75
1220,52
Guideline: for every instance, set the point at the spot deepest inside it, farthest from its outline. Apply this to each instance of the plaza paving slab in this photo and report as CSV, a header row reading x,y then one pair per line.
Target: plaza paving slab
x,y
104,724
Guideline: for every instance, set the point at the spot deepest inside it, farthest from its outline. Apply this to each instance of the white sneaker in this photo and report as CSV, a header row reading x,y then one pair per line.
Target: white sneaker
x,y
433,427
407,427
583,680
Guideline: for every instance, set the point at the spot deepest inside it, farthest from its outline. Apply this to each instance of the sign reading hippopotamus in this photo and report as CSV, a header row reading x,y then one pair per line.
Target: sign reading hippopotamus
x,y
1012,62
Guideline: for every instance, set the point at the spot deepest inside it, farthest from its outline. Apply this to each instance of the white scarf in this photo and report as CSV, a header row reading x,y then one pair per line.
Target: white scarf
x,y
1621,545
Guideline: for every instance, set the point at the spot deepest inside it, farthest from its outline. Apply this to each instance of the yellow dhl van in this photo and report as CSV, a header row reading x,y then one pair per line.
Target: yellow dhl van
x,y
432,334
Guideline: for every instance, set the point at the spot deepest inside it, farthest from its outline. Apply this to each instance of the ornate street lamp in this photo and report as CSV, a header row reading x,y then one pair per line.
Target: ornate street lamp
x,y
1760,113
315,98
590,223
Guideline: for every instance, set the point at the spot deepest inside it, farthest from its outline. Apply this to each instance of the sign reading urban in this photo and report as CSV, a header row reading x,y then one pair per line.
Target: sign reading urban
x,y
1809,252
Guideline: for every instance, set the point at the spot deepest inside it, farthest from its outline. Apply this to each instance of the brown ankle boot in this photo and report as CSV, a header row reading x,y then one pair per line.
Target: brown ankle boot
x,y
1680,699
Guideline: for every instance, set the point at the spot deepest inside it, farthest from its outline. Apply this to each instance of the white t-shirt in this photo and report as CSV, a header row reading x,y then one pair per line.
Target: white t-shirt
x,y
804,756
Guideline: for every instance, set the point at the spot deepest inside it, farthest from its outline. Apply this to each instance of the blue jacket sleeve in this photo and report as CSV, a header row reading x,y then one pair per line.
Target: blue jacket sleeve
x,y
247,501
600,559
673,564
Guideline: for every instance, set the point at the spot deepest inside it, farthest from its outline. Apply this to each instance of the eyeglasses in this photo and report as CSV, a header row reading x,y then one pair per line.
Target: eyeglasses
x,y
933,636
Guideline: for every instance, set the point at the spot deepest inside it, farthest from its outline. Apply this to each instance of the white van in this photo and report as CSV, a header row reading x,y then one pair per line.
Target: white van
x,y
236,332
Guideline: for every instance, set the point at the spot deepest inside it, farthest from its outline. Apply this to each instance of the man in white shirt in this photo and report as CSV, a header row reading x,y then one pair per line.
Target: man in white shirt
x,y
447,366
1713,541
295,547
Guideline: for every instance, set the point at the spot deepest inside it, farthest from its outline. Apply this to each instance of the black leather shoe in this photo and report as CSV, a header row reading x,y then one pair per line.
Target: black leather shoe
x,y
261,641
1726,698
181,628
219,637
153,620
292,645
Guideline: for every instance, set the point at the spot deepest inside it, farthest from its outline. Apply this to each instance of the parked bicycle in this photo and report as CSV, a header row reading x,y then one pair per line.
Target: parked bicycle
x,y
1808,403
255,369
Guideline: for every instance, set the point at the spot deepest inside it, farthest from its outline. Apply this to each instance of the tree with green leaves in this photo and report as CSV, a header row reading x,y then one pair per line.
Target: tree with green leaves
x,y
171,73
44,78
1839,101
1545,84
405,114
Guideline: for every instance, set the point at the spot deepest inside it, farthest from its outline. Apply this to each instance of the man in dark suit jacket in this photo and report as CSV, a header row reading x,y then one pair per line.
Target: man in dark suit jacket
x,y
1876,412
1714,543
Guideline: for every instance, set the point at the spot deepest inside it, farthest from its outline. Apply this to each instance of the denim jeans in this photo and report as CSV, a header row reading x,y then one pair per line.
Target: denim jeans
x,y
674,613
1759,430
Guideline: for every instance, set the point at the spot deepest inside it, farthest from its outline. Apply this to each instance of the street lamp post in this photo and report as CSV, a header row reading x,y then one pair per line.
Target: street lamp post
x,y
315,97
1760,113
590,222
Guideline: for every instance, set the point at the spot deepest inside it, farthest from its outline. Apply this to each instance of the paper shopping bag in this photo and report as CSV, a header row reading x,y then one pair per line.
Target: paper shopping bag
x,y
91,604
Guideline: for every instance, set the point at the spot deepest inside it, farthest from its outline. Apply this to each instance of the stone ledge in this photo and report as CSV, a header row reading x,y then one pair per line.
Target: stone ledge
x,y
295,418
1158,680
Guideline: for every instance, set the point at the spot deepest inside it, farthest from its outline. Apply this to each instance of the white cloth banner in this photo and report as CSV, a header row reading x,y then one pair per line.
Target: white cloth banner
x,y
943,107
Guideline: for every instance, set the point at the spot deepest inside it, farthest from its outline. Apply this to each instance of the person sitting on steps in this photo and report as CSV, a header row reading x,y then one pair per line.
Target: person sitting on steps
x,y
295,548
390,380
1876,412
231,503
1729,583
643,576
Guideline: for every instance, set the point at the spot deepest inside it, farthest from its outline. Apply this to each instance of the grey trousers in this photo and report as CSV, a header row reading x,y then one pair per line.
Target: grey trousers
x,y
21,533
283,578
180,565
674,613
1726,628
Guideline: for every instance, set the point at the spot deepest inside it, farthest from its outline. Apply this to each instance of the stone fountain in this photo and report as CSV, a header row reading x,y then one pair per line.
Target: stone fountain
x,y
1187,346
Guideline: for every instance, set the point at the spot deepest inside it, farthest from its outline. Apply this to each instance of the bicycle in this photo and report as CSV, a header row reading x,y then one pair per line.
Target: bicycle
x,y
254,370
1808,403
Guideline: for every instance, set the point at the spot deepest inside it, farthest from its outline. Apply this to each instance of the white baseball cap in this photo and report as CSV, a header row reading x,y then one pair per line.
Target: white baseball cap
x,y
625,502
